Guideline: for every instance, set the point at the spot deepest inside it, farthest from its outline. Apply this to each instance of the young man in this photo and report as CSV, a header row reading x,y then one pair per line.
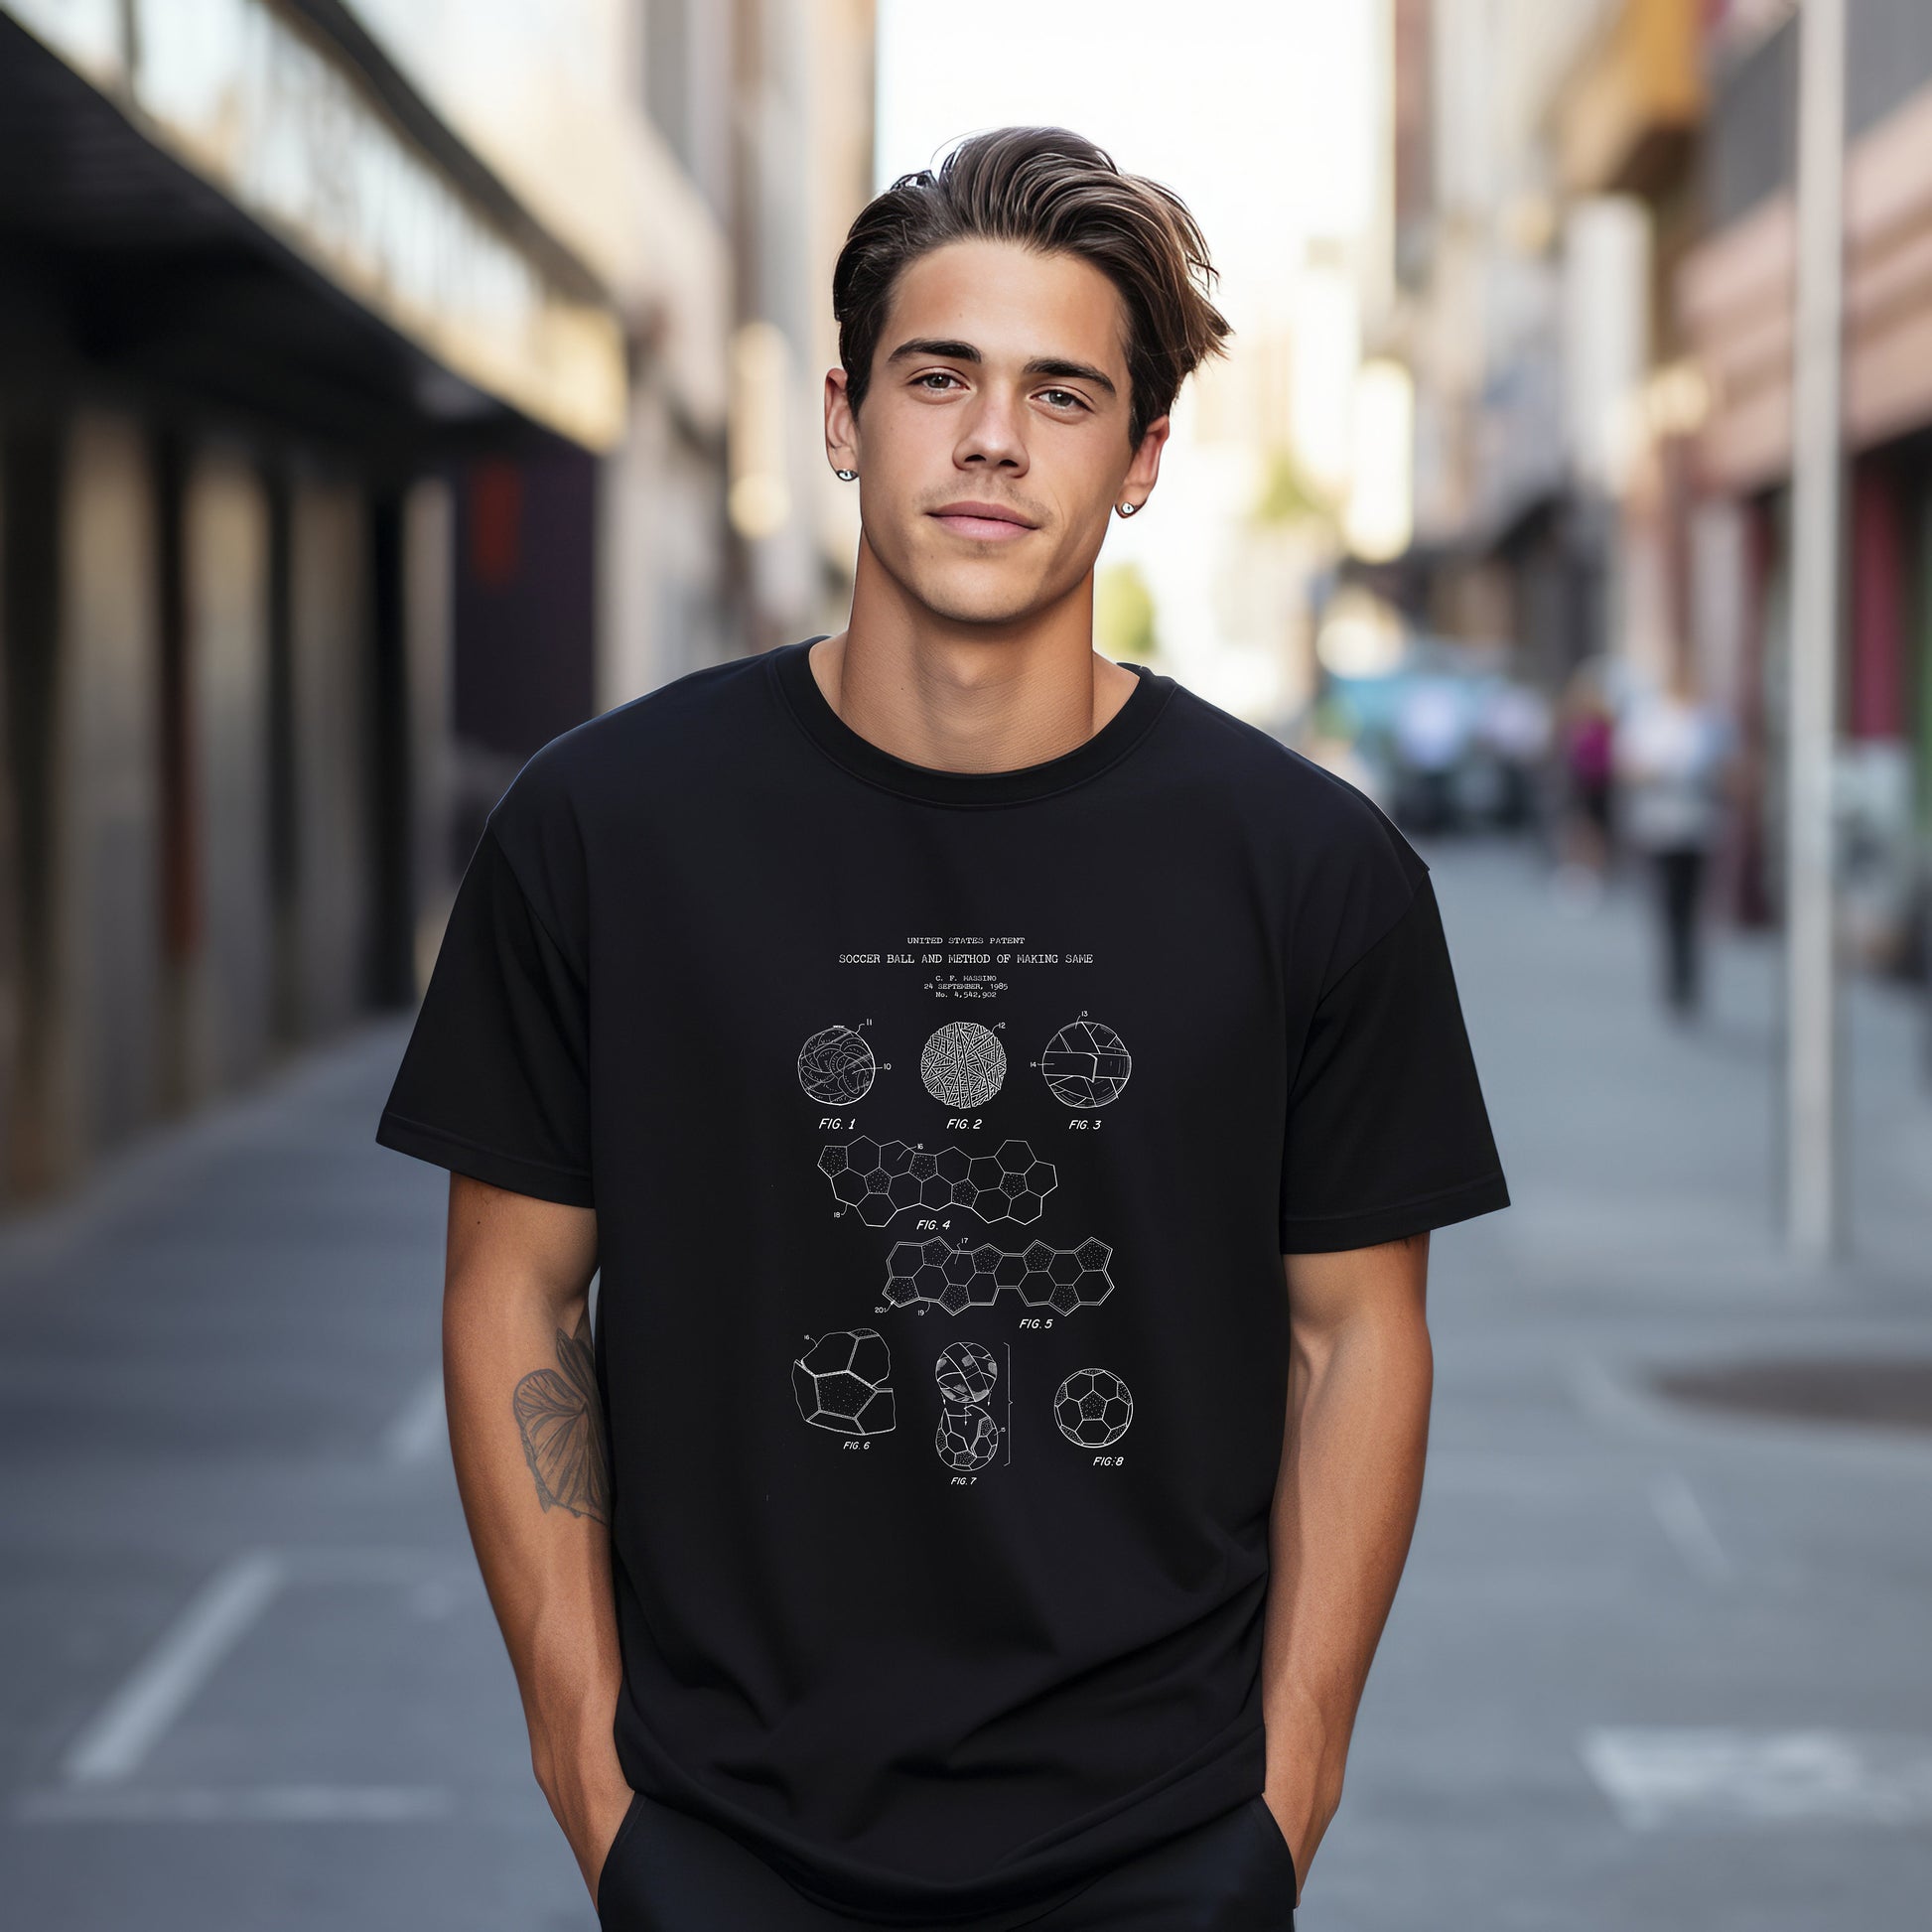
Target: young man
x,y
1004,1100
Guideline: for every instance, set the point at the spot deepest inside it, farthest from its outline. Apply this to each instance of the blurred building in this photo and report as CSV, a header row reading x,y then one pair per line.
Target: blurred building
x,y
385,388
1544,159
1592,251
1513,305
1733,298
705,157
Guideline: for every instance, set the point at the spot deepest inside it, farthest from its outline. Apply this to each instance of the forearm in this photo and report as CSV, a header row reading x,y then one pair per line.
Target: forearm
x,y
528,1438
1344,1511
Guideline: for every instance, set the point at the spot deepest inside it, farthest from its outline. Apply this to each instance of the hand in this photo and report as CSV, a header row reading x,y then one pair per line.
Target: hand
x,y
611,1821
1297,1827
588,1798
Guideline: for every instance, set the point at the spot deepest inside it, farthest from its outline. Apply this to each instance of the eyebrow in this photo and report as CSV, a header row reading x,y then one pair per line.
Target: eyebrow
x,y
1039,365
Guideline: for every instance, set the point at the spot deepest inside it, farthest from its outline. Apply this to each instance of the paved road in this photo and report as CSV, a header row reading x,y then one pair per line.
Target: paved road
x,y
1648,1666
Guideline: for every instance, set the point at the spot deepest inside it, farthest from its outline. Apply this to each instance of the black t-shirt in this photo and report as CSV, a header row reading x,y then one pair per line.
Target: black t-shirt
x,y
945,1132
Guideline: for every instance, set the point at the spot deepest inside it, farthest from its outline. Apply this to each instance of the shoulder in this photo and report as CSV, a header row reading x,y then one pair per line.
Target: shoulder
x,y
1341,869
653,746
679,726
1324,822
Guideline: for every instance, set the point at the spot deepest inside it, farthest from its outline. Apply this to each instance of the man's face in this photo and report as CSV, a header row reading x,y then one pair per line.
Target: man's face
x,y
1000,381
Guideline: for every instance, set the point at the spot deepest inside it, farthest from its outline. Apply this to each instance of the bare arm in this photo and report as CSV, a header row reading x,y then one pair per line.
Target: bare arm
x,y
1360,1371
528,1435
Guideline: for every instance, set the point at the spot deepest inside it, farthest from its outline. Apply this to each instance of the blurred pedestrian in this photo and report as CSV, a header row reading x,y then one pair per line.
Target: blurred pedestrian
x,y
1432,735
1586,742
1515,727
1672,751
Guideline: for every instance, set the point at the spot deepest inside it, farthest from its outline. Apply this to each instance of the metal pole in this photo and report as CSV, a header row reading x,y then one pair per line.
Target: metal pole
x,y
1812,1192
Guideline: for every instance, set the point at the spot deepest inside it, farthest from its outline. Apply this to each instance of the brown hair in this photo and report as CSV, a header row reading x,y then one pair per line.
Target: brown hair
x,y
1056,191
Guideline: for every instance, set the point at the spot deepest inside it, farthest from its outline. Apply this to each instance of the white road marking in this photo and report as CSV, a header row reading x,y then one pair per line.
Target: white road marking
x,y
1770,1778
269,1804
418,1431
1608,1398
126,1728
1676,1507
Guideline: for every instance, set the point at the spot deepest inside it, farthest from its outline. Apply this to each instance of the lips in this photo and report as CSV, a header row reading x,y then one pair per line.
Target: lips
x,y
984,522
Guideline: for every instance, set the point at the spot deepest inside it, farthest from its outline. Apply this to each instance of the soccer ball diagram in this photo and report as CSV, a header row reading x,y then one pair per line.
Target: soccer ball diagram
x,y
1087,1064
968,1438
966,1373
841,1382
836,1068
1093,1407
963,1065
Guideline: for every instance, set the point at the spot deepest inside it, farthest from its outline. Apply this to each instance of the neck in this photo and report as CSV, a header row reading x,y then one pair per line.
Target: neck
x,y
959,696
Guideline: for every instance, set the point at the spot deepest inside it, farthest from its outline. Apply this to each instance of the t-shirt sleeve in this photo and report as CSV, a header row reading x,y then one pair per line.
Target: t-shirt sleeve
x,y
1387,1132
493,1081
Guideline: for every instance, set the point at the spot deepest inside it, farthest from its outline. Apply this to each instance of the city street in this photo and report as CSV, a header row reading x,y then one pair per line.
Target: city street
x,y
1651,1665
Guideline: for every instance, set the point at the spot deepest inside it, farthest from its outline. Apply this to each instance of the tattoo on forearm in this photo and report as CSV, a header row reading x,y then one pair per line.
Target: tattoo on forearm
x,y
562,1424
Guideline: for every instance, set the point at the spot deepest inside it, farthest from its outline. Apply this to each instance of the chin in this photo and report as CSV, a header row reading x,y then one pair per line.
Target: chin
x,y
981,610
977,598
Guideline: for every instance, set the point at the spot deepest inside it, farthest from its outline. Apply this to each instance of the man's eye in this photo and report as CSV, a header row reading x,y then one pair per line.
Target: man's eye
x,y
937,375
1061,398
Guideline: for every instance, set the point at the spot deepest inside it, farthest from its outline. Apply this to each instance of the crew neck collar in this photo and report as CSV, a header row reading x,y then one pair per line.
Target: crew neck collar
x,y
791,672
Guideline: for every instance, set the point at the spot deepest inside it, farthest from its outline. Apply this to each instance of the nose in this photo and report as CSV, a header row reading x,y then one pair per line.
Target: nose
x,y
992,435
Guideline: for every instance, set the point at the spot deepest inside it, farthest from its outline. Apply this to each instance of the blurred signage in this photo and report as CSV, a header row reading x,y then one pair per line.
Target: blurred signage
x,y
281,123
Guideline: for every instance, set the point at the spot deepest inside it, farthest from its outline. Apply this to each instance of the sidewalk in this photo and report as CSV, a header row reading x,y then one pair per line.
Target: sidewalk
x,y
253,1679
1648,1666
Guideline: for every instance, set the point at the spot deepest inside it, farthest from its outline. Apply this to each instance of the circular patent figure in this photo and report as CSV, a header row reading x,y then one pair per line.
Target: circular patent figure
x,y
966,1372
1093,1407
968,1438
1085,1064
836,1068
963,1065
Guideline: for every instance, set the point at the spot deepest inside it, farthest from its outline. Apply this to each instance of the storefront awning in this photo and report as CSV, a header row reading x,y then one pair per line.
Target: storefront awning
x,y
302,129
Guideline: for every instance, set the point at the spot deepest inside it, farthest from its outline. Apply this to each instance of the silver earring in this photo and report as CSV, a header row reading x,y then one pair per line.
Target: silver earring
x,y
1128,510
845,476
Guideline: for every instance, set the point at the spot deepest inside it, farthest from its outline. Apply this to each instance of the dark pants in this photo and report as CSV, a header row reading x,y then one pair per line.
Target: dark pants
x,y
667,1871
1680,879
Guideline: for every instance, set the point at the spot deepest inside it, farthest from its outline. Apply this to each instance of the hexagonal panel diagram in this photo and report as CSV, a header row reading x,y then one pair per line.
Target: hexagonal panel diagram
x,y
841,1382
937,1273
876,1178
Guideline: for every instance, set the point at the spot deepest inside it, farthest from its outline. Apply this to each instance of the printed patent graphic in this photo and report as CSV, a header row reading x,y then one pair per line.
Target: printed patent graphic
x,y
937,1272
1085,1064
836,1068
967,1438
841,1382
1093,1407
963,1065
966,1373
876,1178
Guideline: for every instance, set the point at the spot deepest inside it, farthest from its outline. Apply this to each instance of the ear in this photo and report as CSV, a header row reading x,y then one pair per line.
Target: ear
x,y
841,422
1145,471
